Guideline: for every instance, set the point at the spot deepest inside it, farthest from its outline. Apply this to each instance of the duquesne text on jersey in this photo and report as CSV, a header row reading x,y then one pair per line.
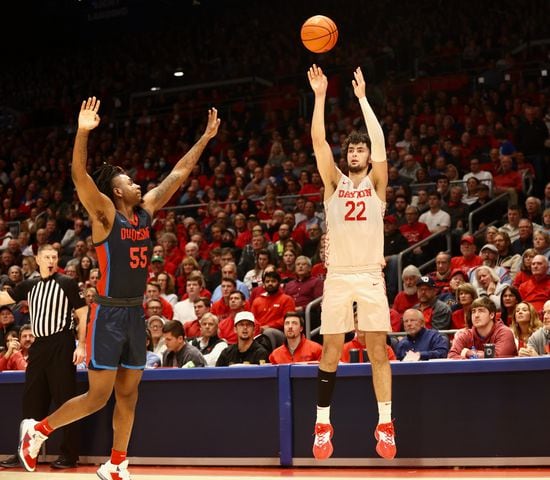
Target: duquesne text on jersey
x,y
355,193
131,234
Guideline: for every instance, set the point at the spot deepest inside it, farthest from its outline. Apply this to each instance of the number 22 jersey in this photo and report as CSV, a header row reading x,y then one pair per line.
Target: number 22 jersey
x,y
355,226
124,256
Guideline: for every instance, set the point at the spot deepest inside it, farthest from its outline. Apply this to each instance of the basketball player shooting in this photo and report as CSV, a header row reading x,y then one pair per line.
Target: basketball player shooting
x,y
354,207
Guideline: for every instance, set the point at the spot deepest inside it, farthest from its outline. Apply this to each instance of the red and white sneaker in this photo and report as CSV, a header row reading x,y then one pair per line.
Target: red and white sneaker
x,y
385,436
108,471
30,441
322,446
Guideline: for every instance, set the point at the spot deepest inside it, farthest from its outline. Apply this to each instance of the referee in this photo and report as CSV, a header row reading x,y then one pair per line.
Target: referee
x,y
51,369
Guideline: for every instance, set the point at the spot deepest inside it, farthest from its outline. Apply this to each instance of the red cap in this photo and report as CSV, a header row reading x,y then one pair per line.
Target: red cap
x,y
468,238
459,270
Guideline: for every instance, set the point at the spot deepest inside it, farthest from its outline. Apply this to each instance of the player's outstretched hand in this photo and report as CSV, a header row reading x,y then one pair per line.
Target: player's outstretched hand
x,y
88,118
317,80
213,124
358,83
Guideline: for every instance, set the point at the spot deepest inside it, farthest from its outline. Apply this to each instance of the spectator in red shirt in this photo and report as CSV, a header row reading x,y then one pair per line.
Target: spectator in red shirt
x,y
296,347
270,307
415,231
407,297
536,290
508,180
172,254
442,274
152,292
226,326
468,259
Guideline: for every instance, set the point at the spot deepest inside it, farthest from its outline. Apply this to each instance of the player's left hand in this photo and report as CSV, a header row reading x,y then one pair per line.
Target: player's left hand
x,y
88,118
213,124
79,354
358,83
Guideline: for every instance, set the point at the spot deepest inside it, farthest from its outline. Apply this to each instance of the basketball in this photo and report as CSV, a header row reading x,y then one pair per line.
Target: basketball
x,y
319,34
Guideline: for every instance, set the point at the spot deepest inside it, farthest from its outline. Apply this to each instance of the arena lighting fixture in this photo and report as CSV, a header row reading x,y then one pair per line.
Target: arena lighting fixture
x,y
178,72
481,80
544,73
507,77
155,89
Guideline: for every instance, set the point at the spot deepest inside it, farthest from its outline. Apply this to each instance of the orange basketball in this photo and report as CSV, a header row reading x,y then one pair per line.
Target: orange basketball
x,y
319,34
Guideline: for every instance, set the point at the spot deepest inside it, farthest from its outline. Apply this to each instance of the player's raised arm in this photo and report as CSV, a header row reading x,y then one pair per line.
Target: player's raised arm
x,y
376,134
158,196
323,153
98,205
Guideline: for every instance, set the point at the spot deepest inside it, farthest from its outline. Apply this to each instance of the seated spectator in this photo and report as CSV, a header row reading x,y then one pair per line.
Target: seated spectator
x,y
12,358
539,341
155,324
153,360
407,297
436,313
202,307
250,251
507,180
536,290
525,321
152,292
187,265
394,243
442,274
509,298
179,353
415,231
221,307
420,343
167,288
435,218
476,172
184,310
253,277
487,284
524,272
449,295
465,296
305,288
506,259
247,350
457,209
512,227
468,259
226,327
471,196
270,307
469,343
208,343
287,269
7,323
229,270
525,237
541,244
296,347
489,256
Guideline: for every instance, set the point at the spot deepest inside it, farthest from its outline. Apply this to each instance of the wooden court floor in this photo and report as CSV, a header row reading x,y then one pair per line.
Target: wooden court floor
x,y
87,472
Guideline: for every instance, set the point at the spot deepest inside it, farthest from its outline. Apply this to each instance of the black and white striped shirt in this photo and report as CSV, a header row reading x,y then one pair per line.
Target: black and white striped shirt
x,y
51,302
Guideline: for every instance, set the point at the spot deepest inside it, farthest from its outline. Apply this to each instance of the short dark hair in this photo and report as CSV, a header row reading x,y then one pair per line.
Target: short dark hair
x,y
103,178
174,327
271,274
484,302
300,315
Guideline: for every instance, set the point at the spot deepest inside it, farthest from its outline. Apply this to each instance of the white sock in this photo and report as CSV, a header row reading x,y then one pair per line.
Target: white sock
x,y
323,415
384,412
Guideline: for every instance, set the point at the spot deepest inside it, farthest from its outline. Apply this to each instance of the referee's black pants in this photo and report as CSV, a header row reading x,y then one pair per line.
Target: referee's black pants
x,y
51,376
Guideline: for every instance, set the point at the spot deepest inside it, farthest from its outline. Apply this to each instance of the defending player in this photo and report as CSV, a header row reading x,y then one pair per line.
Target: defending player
x,y
121,222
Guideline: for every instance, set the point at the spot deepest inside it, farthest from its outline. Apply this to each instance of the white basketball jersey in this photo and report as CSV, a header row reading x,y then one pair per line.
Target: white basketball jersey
x,y
355,226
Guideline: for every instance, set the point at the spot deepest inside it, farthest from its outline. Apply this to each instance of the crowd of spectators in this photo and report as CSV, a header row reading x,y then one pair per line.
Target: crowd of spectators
x,y
245,232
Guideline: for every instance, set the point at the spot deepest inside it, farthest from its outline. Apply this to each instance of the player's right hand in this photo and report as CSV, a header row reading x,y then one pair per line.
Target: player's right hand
x,y
317,80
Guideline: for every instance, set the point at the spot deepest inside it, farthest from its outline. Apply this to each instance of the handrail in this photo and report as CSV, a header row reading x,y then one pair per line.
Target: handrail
x,y
309,306
400,255
483,207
